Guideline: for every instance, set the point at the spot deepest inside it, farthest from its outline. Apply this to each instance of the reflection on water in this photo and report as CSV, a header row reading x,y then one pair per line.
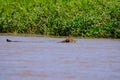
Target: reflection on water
x,y
41,58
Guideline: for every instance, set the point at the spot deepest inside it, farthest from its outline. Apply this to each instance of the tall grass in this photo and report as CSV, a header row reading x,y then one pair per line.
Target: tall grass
x,y
87,18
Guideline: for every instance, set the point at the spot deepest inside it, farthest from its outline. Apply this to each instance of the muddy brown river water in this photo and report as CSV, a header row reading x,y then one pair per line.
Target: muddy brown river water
x,y
42,58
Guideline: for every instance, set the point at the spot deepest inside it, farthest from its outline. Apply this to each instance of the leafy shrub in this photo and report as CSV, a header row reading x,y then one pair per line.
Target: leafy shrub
x,y
87,18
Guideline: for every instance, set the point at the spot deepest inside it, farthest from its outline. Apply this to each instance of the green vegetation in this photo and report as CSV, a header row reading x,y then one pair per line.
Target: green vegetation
x,y
86,18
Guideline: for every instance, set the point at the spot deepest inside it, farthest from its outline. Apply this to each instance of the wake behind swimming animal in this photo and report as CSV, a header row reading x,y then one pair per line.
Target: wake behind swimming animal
x,y
8,40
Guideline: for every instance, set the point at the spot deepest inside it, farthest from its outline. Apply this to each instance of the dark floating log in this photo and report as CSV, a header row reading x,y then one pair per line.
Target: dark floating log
x,y
8,40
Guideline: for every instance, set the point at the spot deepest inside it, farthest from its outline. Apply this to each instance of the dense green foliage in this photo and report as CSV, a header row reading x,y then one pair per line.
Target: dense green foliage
x,y
87,18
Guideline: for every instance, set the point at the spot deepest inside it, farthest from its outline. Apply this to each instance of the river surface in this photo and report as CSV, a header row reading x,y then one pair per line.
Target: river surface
x,y
43,58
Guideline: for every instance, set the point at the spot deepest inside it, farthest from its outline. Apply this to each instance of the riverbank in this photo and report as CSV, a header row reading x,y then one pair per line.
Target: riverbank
x,y
50,36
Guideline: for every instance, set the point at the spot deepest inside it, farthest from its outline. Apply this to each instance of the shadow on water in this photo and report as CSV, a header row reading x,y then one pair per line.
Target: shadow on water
x,y
42,58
